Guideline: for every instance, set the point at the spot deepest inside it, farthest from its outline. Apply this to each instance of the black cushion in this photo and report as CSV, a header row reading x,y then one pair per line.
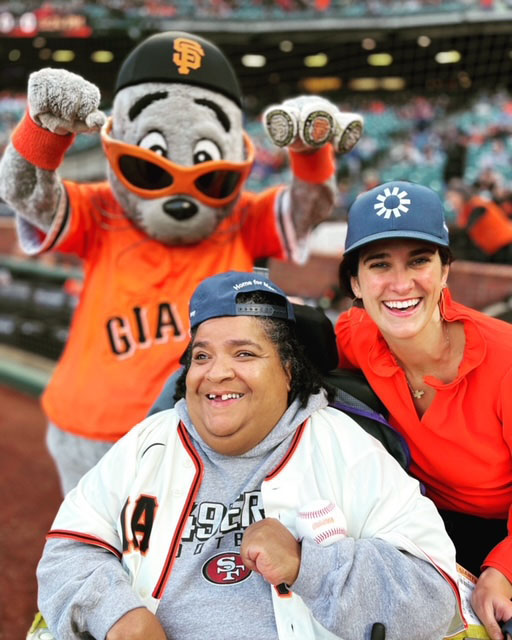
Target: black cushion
x,y
316,333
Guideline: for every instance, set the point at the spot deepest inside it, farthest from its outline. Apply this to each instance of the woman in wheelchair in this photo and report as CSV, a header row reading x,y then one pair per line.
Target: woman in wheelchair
x,y
188,527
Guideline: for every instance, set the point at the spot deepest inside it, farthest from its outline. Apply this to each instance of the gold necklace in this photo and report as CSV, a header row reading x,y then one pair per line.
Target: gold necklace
x,y
419,393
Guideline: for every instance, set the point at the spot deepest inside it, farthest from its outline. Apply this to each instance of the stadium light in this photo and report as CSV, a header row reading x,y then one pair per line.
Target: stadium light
x,y
448,57
316,60
380,59
253,60
102,56
63,55
424,41
321,85
368,44
392,83
364,84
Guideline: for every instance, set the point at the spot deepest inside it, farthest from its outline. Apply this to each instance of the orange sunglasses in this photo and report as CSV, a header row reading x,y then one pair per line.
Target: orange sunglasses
x,y
150,175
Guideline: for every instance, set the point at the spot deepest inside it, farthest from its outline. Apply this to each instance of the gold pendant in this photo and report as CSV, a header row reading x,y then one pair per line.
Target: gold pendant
x,y
418,393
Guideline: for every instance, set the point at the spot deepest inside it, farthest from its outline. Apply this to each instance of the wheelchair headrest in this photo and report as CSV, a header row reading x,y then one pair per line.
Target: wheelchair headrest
x,y
316,333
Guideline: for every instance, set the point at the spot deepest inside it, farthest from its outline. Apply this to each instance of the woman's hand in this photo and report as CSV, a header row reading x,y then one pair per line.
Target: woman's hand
x,y
137,624
491,601
271,550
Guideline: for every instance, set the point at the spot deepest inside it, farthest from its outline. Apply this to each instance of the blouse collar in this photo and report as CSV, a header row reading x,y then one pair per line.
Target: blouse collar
x,y
383,363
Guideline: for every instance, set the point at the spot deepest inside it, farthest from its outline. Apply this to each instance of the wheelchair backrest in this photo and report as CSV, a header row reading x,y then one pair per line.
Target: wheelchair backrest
x,y
353,394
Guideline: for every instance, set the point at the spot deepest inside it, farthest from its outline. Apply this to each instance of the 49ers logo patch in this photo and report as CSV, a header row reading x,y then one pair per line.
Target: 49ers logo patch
x,y
188,55
225,569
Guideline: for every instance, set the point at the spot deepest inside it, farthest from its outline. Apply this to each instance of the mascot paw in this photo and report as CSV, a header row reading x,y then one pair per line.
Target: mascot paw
x,y
64,102
309,122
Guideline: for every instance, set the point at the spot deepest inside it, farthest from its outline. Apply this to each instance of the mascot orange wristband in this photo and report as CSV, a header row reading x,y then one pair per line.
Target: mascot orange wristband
x,y
39,146
314,167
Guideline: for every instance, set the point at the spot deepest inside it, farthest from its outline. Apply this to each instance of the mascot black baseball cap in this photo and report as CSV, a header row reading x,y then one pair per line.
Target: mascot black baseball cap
x,y
216,297
177,56
396,209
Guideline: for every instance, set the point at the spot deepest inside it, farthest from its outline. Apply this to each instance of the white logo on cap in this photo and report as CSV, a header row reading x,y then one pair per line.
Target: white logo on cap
x,y
389,208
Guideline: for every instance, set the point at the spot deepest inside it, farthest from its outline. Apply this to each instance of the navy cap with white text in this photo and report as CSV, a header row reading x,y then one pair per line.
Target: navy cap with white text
x,y
216,297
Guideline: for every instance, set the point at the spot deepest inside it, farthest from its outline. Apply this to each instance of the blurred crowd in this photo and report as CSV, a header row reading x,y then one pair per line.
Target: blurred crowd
x,y
250,9
426,140
463,149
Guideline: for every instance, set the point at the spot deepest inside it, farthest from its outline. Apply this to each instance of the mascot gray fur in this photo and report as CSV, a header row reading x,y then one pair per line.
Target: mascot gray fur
x,y
172,212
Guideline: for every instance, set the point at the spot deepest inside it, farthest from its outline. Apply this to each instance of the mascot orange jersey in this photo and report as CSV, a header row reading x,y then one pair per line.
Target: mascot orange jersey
x,y
131,325
174,210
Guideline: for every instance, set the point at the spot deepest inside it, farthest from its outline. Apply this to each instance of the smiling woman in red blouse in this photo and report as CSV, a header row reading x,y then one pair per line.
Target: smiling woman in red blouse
x,y
444,372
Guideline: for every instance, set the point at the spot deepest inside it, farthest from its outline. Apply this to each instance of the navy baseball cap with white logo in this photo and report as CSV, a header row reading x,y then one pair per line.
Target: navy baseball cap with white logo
x,y
396,209
216,297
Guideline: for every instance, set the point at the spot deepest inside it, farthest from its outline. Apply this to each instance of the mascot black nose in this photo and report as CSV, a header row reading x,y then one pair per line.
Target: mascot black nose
x,y
180,208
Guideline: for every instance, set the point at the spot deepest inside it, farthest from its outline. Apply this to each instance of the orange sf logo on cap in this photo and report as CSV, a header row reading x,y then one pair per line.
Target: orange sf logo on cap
x,y
188,55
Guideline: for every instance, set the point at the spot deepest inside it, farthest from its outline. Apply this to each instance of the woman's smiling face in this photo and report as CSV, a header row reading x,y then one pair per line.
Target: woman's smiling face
x,y
400,283
236,386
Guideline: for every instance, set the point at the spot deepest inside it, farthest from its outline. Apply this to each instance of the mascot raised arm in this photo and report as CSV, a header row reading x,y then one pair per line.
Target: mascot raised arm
x,y
173,211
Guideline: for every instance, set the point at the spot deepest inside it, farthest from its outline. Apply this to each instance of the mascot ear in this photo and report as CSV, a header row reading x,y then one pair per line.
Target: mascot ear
x,y
176,56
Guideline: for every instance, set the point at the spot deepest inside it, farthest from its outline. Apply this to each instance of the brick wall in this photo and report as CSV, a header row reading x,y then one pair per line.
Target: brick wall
x,y
8,241
478,284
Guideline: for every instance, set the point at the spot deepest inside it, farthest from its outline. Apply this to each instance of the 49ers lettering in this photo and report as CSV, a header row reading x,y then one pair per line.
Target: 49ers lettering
x,y
128,333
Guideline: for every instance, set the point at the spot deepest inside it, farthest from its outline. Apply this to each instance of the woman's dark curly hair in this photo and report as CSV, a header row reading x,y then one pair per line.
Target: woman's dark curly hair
x,y
305,379
349,267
